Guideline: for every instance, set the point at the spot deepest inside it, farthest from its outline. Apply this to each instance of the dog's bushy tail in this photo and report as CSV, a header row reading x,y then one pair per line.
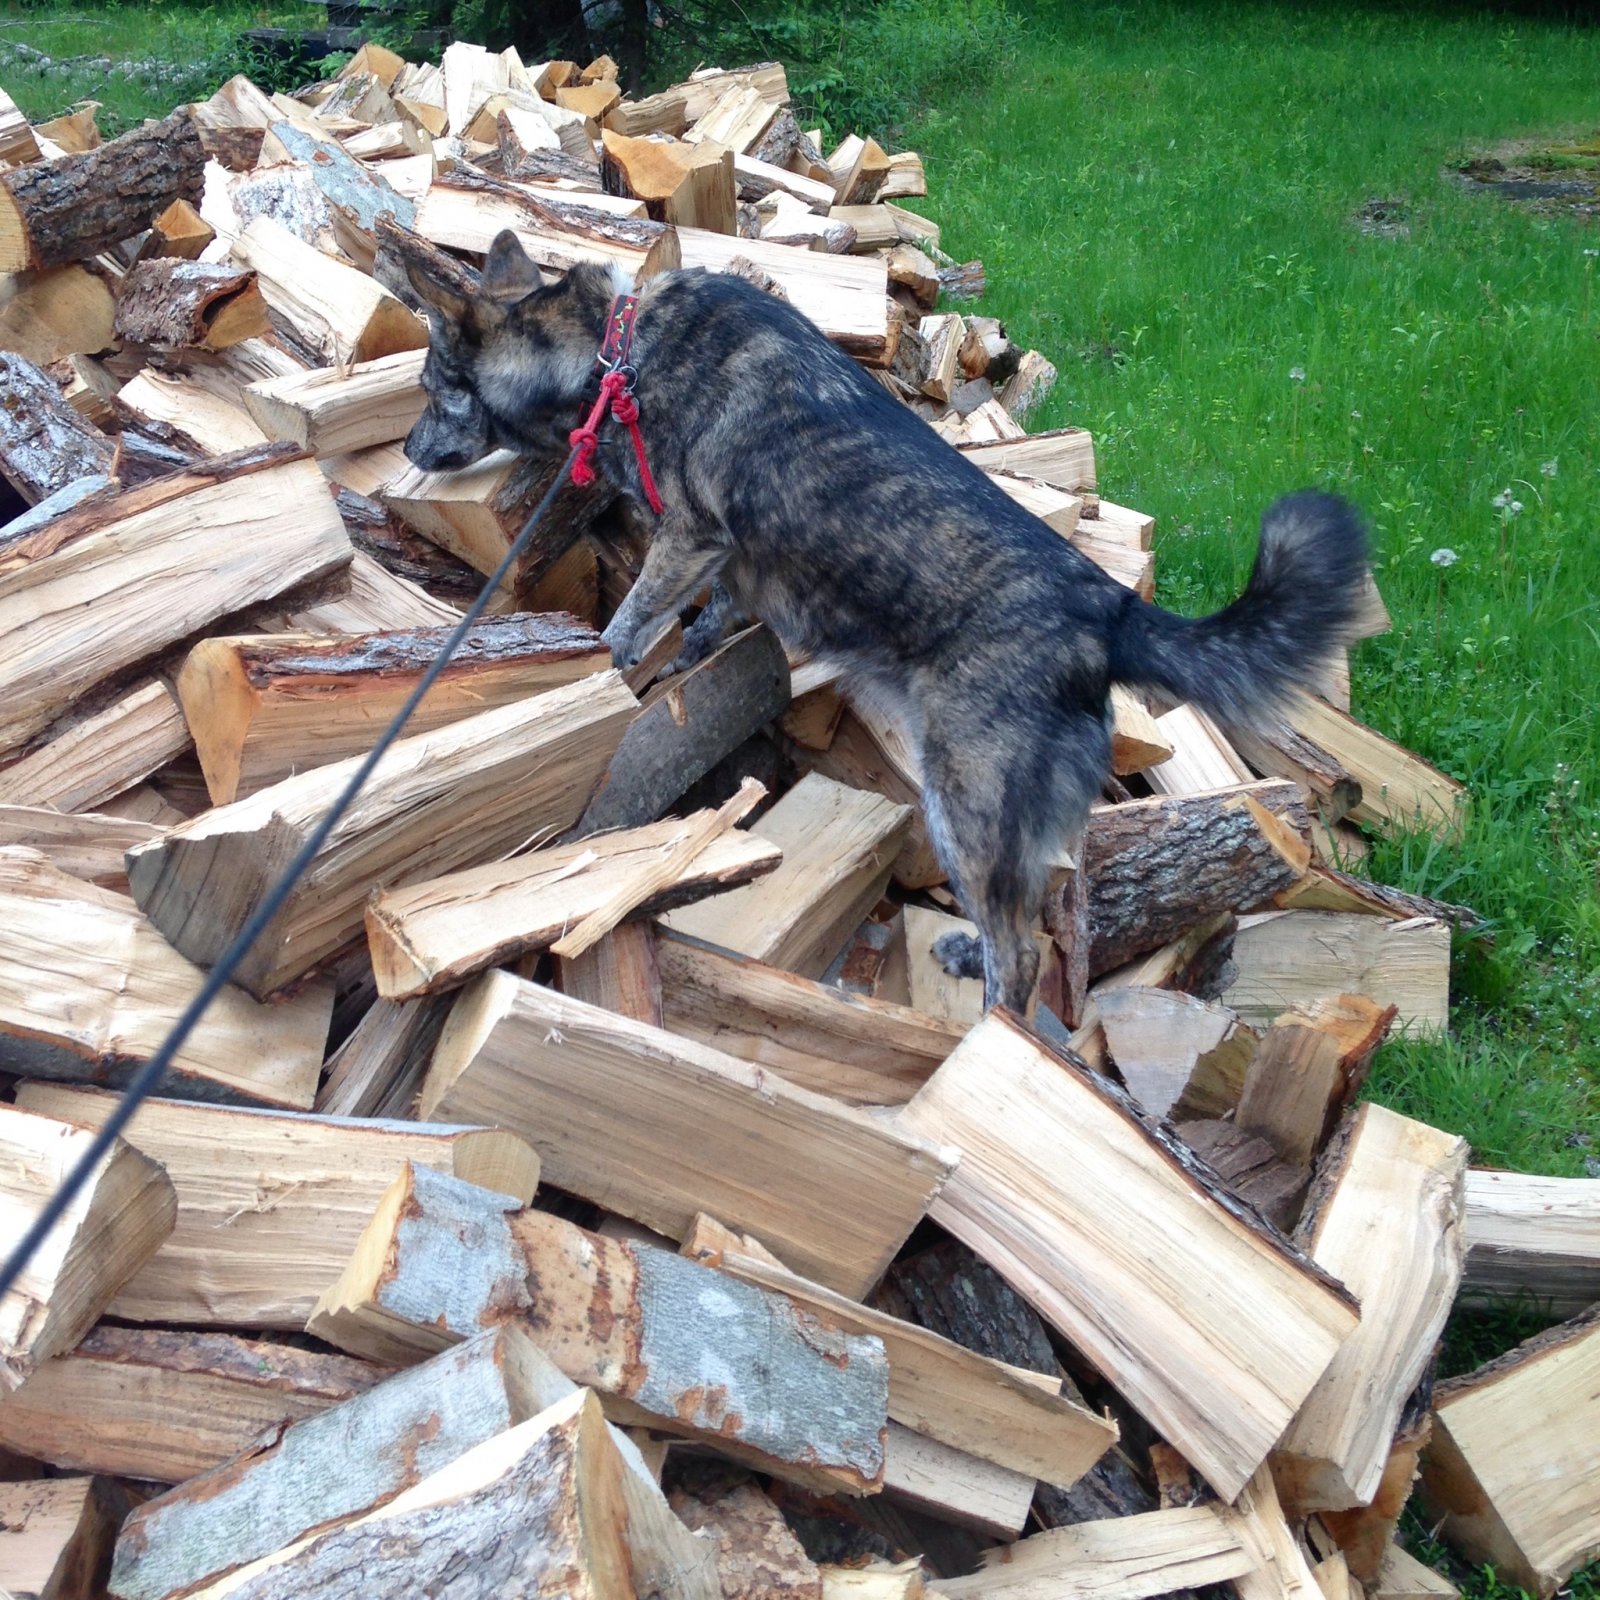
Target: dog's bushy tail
x,y
1304,599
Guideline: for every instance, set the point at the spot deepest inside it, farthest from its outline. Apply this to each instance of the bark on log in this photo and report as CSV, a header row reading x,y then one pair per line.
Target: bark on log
x,y
62,210
44,443
1157,867
172,304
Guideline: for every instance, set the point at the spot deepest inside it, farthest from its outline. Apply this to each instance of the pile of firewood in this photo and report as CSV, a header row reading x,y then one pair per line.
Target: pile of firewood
x,y
831,1286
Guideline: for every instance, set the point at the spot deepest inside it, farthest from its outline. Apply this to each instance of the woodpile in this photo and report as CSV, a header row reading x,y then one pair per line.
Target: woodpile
x,y
590,1181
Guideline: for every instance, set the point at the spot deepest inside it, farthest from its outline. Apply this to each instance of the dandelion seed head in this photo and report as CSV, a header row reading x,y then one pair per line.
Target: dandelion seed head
x,y
1548,468
1298,374
1444,557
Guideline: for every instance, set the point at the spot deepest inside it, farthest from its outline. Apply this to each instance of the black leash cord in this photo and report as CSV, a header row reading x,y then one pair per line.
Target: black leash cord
x,y
145,1081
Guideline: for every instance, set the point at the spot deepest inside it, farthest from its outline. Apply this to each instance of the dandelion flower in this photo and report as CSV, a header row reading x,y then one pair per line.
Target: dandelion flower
x,y
1444,557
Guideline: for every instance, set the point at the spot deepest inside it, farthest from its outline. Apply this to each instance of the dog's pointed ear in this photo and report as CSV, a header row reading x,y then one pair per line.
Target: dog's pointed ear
x,y
439,292
508,273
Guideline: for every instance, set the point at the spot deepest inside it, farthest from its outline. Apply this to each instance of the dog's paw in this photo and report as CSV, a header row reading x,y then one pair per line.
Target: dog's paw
x,y
960,954
624,647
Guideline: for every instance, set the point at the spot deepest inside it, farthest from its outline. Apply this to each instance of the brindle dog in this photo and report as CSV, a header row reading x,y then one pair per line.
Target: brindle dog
x,y
824,507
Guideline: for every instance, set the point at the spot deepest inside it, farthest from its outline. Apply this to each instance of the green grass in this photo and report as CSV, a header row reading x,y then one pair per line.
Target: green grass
x,y
197,45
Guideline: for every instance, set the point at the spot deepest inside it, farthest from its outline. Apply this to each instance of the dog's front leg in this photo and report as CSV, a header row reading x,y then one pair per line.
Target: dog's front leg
x,y
682,561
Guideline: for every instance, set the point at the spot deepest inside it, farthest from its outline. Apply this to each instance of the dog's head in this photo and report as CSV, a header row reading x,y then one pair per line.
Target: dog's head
x,y
509,356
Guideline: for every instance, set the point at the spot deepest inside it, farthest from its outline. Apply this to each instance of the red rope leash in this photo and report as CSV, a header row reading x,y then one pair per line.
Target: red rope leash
x,y
616,395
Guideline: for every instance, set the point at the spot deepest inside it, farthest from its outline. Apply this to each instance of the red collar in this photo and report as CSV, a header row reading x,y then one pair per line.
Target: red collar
x,y
616,395
619,332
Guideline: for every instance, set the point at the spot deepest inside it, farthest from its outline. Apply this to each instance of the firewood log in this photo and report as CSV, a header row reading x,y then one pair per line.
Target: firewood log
x,y
162,1405
790,1395
1063,456
435,934
573,1505
1180,1057
588,1087
215,423
465,792
264,706
838,849
44,443
328,1468
89,990
1403,1577
1201,758
330,411
1364,1534
953,1487
758,1557
17,143
56,1536
817,1036
59,211
59,312
379,1068
1385,1216
189,549
1510,1470
1279,1569
684,184
1533,1235
88,845
171,304
270,1205
1108,1253
116,1222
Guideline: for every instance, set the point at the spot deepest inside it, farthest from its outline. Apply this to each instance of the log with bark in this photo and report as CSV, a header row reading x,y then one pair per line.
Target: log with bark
x,y
170,304
1534,1237
44,443
270,1205
667,1343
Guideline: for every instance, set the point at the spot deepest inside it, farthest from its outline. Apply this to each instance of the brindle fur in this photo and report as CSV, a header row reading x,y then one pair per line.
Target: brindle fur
x,y
822,506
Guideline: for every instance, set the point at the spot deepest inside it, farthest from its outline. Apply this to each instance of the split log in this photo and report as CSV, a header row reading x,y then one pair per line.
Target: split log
x,y
265,706
215,424
1157,867
1140,741
60,312
189,549
117,1221
1328,888
1398,789
436,934
1097,1219
44,443
688,185
846,296
685,726
953,1487
1122,1558
1311,1064
1365,1533
17,143
270,1205
1535,1237
87,845
357,195
1509,1473
1004,1415
1292,958
618,974
465,210
377,602
1279,1569
89,991
833,1191
1201,759
162,1405
466,792
1062,456
86,759
329,411
379,1068
1403,1577
333,1466
1281,752
172,304
59,211
736,121
1384,1217
56,1536
1181,1058
551,1502
667,1343
328,308
838,849
819,1037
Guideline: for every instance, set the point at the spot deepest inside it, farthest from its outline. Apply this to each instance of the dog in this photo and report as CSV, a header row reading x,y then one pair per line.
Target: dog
x,y
813,500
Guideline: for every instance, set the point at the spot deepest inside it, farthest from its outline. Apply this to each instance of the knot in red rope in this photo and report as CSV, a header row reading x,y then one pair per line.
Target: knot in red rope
x,y
617,396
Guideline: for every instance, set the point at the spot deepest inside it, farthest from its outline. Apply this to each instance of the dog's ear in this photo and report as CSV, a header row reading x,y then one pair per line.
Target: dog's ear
x,y
508,274
441,291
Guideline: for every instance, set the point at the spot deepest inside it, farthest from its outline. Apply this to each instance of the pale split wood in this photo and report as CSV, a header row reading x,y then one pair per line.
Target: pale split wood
x,y
379,1068
466,792
121,1216
1063,457
1279,1568
1533,1236
56,1536
1385,1217
377,601
333,410
88,845
1108,1255
1120,1558
89,990
213,421
1403,1577
1180,1057
436,934
1139,741
270,1205
162,1405
1201,758
661,1128
953,1486
61,311
839,845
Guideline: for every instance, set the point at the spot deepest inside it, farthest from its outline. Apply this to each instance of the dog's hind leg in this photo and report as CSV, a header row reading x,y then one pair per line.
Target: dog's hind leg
x,y
1000,800
684,556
